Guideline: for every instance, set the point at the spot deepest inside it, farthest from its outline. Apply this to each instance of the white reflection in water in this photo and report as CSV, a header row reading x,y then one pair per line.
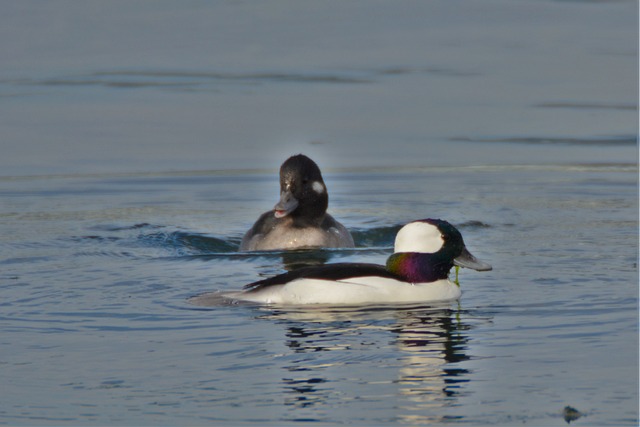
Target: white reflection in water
x,y
418,369
428,377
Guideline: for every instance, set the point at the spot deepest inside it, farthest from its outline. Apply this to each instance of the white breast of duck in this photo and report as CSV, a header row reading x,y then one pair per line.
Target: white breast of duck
x,y
287,234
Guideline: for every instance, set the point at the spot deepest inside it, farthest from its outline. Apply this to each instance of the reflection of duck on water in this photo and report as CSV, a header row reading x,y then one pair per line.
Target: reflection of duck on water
x,y
431,346
419,367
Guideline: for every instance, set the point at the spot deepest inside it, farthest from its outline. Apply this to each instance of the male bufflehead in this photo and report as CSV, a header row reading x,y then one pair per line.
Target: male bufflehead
x,y
416,272
300,218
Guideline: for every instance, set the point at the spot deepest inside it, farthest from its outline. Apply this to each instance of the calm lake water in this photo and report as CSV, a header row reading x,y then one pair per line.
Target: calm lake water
x,y
140,141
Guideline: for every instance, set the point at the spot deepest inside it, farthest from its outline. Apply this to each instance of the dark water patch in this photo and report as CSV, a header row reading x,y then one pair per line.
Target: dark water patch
x,y
113,384
143,225
586,106
242,77
24,260
88,81
99,239
375,237
592,1
185,243
186,80
436,71
191,80
622,140
111,254
473,224
550,281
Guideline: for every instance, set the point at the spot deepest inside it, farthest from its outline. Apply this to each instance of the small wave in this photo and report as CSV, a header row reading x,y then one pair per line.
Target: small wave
x,y
142,225
215,299
473,224
540,140
190,243
193,246
97,238
379,240
376,237
587,106
185,80
242,77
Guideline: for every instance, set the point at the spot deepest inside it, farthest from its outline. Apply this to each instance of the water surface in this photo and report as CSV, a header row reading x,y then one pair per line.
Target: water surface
x,y
141,140
98,329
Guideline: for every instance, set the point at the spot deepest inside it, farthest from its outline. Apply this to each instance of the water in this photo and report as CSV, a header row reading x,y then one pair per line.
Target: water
x,y
135,157
97,327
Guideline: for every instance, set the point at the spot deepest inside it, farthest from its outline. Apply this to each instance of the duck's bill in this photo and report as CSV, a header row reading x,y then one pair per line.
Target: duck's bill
x,y
286,205
466,260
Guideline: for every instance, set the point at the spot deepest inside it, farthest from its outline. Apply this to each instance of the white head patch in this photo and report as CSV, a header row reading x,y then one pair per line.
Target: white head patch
x,y
419,237
317,187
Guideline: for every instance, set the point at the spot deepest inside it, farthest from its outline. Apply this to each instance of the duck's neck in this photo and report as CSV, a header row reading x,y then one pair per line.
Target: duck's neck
x,y
308,220
311,213
418,267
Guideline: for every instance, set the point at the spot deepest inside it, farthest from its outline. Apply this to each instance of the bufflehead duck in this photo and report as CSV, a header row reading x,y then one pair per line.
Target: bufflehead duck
x,y
416,272
300,218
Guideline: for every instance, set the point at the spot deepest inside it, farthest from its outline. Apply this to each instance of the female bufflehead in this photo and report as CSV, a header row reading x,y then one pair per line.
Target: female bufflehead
x,y
416,272
300,218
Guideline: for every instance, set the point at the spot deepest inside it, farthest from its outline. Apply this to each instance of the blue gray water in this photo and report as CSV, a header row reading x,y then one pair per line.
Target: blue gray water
x,y
139,142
